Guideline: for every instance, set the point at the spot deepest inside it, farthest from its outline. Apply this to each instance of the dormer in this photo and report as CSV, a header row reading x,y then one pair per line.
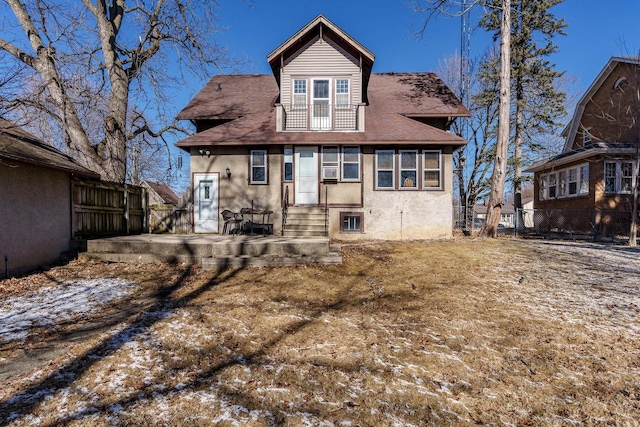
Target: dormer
x,y
323,75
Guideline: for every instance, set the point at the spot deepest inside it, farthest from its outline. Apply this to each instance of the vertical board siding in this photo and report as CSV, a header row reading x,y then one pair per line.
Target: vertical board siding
x,y
107,209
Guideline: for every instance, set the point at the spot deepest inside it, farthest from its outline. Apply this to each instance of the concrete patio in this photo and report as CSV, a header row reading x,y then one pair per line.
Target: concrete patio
x,y
214,251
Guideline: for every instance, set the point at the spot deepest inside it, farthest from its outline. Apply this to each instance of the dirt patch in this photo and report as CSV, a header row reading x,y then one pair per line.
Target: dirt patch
x,y
456,332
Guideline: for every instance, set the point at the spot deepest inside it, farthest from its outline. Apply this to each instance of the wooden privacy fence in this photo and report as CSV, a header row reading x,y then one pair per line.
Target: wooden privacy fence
x,y
169,219
107,209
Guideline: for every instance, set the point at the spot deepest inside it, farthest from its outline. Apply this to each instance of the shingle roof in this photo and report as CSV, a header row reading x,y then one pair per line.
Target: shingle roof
x,y
164,192
393,98
594,149
18,145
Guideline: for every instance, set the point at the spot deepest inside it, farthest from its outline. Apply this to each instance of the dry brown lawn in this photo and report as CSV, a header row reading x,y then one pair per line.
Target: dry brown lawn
x,y
460,332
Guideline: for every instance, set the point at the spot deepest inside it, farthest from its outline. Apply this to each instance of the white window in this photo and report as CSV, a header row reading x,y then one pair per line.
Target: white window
x,y
562,183
342,93
300,92
553,186
542,188
573,181
330,162
385,169
408,168
584,179
586,136
432,169
350,163
618,177
258,167
352,222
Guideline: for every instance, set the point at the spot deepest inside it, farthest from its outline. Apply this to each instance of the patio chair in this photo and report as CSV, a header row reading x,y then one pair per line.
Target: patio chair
x,y
228,218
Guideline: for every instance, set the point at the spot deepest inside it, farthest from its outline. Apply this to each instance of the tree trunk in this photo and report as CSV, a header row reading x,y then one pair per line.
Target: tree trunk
x,y
490,226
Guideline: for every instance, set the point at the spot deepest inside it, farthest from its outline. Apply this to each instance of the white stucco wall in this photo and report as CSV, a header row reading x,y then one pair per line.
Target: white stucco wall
x,y
35,216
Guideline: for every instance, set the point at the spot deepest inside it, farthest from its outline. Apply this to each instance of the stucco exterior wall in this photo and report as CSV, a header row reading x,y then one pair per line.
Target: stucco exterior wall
x,y
35,216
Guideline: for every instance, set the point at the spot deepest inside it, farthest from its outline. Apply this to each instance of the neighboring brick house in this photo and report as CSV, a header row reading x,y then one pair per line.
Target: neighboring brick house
x,y
595,169
35,200
373,152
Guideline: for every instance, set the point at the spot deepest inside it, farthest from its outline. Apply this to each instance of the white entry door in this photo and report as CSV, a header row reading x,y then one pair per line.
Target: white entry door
x,y
205,202
306,176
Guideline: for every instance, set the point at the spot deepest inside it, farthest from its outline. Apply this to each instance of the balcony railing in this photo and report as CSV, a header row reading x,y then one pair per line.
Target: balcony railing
x,y
321,117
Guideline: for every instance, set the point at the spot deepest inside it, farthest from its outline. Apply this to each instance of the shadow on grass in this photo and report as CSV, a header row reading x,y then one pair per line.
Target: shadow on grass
x,y
27,400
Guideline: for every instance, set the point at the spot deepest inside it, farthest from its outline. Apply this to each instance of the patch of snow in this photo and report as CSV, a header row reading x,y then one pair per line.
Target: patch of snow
x,y
52,306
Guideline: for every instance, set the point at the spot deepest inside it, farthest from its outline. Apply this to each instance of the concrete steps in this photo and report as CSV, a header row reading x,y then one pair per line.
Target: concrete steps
x,y
305,221
215,251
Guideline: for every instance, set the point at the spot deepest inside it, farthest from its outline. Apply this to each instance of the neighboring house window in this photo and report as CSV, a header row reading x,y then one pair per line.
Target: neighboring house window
x,y
544,180
570,182
618,177
562,183
258,167
432,166
553,186
330,162
408,168
584,179
350,163
300,92
586,136
342,93
573,181
385,169
352,222
288,164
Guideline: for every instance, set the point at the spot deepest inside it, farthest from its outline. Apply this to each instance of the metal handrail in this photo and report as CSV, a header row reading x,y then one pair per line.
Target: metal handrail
x,y
326,212
285,208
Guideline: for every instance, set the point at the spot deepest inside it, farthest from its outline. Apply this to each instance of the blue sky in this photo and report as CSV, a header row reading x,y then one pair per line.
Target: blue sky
x,y
595,33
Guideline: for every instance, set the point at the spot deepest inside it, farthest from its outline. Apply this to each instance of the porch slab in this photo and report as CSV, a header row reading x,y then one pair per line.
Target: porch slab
x,y
214,251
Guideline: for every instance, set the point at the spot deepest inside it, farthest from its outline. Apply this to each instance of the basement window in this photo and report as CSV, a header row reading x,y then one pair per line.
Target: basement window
x,y
351,222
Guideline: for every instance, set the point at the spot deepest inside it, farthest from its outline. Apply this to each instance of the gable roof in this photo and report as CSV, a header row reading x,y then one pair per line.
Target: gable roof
x,y
319,23
395,99
163,191
18,145
572,128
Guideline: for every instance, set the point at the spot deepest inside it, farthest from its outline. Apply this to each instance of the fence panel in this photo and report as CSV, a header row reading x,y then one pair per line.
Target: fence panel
x,y
592,224
107,209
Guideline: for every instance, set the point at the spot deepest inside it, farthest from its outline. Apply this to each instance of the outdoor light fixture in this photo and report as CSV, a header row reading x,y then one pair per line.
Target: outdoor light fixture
x,y
228,171
204,152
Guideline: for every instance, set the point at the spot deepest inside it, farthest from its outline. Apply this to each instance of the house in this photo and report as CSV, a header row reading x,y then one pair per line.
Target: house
x,y
162,202
594,171
507,213
370,155
36,200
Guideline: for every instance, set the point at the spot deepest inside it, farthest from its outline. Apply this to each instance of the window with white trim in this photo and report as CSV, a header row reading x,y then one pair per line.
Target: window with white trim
x,y
553,186
330,162
300,92
562,183
618,177
432,169
568,182
584,179
408,168
258,159
342,93
350,163
385,169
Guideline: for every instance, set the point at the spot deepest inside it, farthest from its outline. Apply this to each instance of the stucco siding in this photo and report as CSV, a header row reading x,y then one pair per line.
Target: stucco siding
x,y
35,212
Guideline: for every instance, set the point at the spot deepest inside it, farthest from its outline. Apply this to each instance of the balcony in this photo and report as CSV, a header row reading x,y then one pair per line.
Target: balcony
x,y
320,117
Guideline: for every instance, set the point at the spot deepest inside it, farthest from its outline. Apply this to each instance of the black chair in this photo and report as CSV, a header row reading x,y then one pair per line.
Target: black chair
x,y
228,218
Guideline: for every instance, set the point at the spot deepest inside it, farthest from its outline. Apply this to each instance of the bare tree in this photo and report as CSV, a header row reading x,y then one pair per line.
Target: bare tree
x,y
90,66
473,161
498,178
